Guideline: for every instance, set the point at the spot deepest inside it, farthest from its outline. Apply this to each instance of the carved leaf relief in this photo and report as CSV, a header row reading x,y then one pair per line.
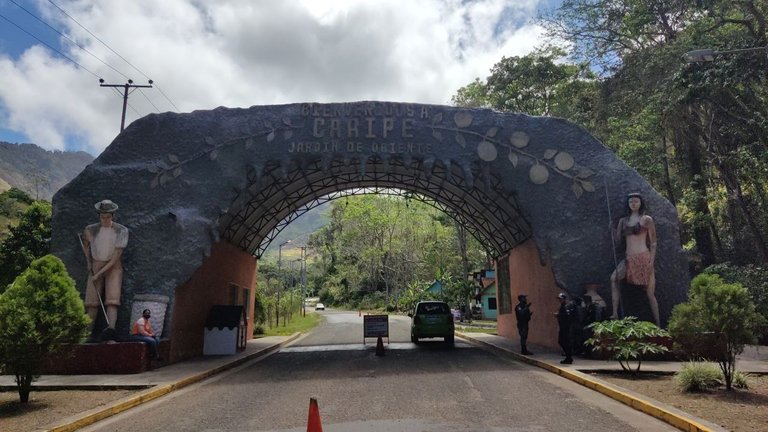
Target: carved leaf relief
x,y
577,190
461,140
513,158
462,119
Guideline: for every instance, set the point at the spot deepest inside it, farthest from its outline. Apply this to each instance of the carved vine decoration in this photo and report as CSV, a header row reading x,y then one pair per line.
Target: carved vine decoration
x,y
559,162
165,171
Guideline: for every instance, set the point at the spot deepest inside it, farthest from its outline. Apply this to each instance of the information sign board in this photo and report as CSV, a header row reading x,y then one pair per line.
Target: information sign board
x,y
375,326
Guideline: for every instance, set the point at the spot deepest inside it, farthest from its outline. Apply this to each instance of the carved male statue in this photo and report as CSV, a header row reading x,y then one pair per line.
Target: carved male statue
x,y
103,244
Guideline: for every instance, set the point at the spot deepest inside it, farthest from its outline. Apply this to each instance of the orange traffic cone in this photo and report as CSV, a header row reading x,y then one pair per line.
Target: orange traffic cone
x,y
379,347
313,422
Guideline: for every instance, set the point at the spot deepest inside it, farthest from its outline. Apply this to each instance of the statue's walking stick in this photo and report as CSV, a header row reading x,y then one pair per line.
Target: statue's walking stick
x,y
613,244
89,282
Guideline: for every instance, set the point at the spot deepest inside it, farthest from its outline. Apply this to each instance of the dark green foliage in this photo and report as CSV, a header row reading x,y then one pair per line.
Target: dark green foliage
x,y
535,84
41,311
752,277
697,132
720,310
380,251
27,241
13,201
626,340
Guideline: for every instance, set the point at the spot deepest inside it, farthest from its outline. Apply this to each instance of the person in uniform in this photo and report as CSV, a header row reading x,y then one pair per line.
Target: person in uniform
x,y
565,318
523,314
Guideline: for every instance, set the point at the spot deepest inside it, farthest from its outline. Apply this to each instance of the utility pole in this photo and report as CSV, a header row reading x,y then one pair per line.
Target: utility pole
x,y
126,87
304,280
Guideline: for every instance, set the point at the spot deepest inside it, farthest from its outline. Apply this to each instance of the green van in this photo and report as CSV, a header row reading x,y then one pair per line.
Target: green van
x,y
432,319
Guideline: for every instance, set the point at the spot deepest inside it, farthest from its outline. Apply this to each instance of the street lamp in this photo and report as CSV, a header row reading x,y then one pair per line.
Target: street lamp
x,y
708,54
280,255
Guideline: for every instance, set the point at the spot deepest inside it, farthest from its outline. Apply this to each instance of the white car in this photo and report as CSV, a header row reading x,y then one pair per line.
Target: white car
x,y
319,306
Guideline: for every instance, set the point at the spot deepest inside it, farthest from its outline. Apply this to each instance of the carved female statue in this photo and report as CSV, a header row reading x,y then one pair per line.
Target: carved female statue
x,y
639,232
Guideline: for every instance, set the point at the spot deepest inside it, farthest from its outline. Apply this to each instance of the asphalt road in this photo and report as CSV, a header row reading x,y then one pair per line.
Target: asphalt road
x,y
429,387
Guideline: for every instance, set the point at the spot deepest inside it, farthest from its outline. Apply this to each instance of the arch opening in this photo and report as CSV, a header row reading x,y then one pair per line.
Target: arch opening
x,y
269,202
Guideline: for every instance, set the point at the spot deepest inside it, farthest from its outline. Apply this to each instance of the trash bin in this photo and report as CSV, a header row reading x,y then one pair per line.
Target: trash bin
x,y
224,330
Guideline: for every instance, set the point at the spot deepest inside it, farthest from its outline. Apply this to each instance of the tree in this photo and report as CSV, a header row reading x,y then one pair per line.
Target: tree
x,y
627,340
27,241
721,310
539,83
39,313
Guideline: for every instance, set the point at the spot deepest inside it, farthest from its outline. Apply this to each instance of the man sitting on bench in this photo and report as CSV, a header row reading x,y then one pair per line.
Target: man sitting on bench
x,y
142,332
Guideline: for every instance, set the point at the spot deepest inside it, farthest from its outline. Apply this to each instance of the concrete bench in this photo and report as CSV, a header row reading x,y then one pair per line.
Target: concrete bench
x,y
102,358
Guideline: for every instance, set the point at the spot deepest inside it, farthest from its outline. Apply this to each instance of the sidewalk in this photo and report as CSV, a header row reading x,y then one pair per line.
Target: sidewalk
x,y
157,382
753,360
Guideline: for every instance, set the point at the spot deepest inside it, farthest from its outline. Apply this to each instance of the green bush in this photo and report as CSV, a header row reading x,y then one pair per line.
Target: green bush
x,y
39,313
698,377
626,340
719,310
754,279
26,242
741,380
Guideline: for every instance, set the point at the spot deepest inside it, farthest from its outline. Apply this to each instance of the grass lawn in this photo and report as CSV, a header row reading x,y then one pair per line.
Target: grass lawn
x,y
469,329
297,323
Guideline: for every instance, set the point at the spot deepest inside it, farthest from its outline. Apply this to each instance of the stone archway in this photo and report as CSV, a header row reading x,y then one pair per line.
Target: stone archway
x,y
202,191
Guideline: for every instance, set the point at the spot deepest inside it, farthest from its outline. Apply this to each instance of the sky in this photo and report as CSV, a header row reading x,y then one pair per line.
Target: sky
x,y
202,54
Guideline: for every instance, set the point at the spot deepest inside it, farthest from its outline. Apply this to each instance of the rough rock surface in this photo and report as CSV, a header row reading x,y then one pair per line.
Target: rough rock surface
x,y
176,177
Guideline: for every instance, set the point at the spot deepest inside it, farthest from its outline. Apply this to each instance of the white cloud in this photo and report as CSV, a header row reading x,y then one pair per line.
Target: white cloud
x,y
239,53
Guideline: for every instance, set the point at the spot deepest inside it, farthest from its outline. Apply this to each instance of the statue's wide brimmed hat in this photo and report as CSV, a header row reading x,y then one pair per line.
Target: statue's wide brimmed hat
x,y
106,206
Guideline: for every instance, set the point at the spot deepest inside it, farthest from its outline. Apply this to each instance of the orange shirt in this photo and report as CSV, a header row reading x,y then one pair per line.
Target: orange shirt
x,y
142,327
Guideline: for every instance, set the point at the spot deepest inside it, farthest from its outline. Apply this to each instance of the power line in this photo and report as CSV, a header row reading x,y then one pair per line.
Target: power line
x,y
115,52
49,47
148,100
68,38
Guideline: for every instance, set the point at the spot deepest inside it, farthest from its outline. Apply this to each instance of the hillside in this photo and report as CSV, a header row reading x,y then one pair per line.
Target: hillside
x,y
37,171
298,233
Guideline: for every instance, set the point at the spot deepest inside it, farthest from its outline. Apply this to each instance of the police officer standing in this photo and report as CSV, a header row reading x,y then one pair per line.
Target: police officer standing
x,y
523,314
565,318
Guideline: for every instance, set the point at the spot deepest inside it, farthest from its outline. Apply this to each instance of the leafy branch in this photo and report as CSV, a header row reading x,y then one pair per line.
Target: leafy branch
x,y
165,171
560,162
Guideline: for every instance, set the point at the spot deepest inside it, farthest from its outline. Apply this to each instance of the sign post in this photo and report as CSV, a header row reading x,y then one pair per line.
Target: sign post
x,y
375,326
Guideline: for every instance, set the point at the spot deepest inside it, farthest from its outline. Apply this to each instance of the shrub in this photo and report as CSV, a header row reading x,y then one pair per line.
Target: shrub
x,y
39,313
26,242
754,279
626,340
741,380
698,377
724,311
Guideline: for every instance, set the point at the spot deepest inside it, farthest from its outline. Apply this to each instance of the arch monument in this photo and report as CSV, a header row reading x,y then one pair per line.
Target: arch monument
x,y
203,192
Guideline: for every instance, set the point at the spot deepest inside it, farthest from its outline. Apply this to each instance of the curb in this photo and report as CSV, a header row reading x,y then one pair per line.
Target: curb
x,y
646,406
92,417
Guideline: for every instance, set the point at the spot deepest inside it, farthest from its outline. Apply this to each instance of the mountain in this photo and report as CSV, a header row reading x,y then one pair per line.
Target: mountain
x,y
37,171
